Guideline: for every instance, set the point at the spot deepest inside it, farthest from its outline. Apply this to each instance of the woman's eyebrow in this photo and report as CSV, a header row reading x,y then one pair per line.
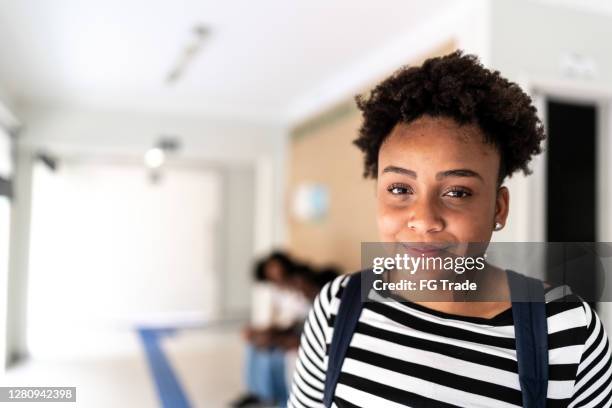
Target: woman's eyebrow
x,y
400,170
458,173
440,175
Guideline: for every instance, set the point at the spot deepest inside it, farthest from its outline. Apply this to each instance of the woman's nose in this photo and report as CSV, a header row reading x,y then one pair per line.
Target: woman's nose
x,y
424,217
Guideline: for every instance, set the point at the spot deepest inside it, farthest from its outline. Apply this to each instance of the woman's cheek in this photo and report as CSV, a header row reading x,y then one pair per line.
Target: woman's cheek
x,y
389,224
470,229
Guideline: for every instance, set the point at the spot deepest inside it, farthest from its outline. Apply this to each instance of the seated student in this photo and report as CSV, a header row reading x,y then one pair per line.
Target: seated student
x,y
276,309
440,140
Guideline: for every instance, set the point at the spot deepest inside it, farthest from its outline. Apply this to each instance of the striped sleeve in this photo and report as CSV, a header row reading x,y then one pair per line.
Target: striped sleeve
x,y
593,385
309,375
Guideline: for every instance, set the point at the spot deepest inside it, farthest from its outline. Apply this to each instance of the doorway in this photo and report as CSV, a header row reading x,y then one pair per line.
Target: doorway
x,y
572,194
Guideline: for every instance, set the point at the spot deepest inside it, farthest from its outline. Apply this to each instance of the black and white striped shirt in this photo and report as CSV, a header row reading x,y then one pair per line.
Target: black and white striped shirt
x,y
404,354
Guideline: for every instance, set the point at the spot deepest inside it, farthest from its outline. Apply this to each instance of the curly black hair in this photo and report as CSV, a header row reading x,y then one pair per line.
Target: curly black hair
x,y
459,87
287,264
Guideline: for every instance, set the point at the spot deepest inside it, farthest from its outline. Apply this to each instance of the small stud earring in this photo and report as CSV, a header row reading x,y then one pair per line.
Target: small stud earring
x,y
498,226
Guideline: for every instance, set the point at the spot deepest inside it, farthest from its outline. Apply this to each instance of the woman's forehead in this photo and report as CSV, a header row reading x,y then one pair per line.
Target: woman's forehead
x,y
438,142
437,133
427,125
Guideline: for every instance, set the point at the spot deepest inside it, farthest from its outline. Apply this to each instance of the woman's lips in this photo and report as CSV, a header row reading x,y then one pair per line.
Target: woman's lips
x,y
426,250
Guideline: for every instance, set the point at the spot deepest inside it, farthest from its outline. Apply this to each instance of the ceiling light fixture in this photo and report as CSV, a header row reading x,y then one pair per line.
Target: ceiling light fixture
x,y
199,35
154,158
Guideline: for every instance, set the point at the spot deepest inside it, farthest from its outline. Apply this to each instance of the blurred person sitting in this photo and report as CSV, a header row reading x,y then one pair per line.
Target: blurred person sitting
x,y
276,309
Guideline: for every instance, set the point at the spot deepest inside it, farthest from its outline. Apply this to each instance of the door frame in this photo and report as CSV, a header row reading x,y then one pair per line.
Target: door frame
x,y
572,91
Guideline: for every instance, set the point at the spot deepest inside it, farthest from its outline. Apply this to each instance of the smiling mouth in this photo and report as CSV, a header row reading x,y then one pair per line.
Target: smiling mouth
x,y
419,249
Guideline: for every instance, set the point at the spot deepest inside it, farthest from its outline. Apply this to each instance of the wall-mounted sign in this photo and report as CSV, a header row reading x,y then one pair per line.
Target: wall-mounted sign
x,y
310,202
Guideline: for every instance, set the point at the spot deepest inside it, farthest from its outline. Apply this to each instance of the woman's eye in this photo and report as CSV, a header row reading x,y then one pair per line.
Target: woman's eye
x,y
458,193
399,189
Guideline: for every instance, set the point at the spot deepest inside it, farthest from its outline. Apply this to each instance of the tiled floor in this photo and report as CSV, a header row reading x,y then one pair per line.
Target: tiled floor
x,y
207,363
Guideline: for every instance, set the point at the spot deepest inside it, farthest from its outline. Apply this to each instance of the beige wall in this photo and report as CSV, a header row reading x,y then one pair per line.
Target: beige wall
x,y
321,151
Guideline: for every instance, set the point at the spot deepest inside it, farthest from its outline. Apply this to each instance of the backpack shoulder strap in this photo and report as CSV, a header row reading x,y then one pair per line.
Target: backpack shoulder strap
x,y
531,334
344,326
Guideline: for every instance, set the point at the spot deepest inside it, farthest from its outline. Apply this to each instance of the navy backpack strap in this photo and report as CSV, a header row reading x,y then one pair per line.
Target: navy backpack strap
x,y
531,333
344,326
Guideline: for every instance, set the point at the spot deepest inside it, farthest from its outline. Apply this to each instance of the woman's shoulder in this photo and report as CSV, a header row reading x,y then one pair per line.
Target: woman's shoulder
x,y
576,336
328,299
333,289
568,313
560,298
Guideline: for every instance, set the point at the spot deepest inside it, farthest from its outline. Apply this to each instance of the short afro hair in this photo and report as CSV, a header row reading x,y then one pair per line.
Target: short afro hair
x,y
455,86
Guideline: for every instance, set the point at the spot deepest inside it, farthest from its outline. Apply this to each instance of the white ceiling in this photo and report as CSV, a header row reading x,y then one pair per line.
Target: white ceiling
x,y
262,56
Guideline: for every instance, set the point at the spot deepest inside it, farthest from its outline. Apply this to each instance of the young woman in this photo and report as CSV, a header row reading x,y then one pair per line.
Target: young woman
x,y
440,139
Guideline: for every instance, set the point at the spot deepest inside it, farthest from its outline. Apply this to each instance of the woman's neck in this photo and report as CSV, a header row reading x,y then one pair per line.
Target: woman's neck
x,y
491,297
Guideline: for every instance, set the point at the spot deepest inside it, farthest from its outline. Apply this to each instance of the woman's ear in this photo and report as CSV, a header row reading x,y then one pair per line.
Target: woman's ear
x,y
502,206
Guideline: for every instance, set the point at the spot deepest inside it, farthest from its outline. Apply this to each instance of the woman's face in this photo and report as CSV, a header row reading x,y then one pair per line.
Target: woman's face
x,y
437,182
275,272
